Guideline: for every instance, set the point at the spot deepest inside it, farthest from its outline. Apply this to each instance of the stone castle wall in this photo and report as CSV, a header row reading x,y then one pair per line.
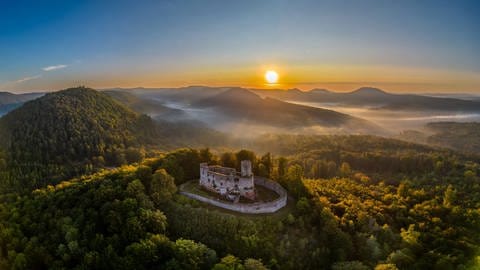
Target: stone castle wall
x,y
249,208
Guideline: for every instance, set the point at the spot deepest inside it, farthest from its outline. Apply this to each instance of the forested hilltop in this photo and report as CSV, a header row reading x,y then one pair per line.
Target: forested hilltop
x,y
87,183
419,211
461,136
77,131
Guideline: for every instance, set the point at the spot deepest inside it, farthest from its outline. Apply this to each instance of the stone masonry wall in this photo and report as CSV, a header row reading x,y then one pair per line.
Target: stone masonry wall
x,y
250,208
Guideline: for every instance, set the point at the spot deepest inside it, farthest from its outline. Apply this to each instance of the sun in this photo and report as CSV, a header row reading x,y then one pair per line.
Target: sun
x,y
271,76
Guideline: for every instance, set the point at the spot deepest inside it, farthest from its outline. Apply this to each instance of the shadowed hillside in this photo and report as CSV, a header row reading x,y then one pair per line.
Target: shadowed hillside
x,y
463,137
243,105
374,97
68,132
10,101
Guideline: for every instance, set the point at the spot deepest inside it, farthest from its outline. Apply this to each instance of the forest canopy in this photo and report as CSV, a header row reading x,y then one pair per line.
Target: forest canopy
x,y
342,214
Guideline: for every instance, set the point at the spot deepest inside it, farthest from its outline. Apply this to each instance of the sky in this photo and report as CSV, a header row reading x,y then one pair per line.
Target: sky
x,y
399,46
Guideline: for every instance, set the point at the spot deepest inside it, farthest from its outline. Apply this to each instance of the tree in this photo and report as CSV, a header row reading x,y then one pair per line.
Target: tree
x,y
401,258
351,265
266,162
206,155
191,255
162,186
449,196
20,262
293,181
229,262
469,175
228,159
303,206
154,220
246,155
253,264
386,266
133,154
345,169
402,189
282,167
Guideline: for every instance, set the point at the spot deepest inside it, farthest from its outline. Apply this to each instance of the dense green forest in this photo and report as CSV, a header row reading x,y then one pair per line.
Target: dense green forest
x,y
67,133
87,183
78,131
344,213
461,136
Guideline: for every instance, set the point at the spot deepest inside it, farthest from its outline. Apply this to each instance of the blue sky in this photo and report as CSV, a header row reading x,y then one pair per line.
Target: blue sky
x,y
397,45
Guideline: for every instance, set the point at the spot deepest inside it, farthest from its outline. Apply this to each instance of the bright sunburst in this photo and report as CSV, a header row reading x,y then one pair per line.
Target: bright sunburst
x,y
271,76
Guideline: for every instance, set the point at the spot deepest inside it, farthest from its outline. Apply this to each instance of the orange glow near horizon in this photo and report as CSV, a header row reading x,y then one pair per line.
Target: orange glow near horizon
x,y
305,77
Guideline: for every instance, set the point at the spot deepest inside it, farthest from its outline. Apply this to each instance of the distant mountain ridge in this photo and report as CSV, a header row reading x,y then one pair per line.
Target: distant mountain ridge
x,y
217,106
377,98
10,101
245,105
9,98
365,96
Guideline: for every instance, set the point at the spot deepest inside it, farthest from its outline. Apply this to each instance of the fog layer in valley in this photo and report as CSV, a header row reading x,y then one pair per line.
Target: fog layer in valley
x,y
245,112
398,120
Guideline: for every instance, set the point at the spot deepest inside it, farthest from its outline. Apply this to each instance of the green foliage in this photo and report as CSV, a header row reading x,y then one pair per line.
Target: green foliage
x,y
292,181
449,197
461,136
162,186
68,133
388,205
228,159
245,155
386,266
191,255
353,265
109,220
231,262
253,264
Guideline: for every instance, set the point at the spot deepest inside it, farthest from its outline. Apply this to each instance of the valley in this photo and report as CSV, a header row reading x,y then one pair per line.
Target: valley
x,y
240,135
111,183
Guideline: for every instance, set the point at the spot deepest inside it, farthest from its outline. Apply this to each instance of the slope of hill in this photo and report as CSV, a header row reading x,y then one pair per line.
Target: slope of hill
x,y
184,95
68,132
374,97
463,137
357,202
10,101
10,98
239,104
365,96
141,104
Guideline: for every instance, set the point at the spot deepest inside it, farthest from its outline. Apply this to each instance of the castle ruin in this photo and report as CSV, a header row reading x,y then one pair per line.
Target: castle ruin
x,y
227,181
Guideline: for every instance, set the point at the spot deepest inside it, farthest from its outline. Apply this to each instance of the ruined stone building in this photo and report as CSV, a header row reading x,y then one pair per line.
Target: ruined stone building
x,y
227,181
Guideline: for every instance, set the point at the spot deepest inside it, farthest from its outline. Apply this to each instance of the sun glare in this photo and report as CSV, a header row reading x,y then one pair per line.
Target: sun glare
x,y
271,76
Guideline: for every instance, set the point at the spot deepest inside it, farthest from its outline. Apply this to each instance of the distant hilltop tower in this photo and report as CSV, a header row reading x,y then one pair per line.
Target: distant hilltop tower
x,y
246,166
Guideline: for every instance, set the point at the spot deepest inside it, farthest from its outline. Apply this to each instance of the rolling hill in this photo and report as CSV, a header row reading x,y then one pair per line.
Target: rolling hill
x,y
461,136
10,101
376,98
10,98
68,132
238,104
145,105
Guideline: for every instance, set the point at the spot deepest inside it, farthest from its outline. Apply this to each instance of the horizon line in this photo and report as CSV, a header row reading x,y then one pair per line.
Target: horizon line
x,y
270,88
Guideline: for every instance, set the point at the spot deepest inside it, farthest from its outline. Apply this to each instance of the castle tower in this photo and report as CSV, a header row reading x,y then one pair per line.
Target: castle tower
x,y
246,166
203,172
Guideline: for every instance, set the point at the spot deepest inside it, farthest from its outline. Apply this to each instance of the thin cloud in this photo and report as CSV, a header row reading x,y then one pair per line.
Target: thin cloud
x,y
50,68
27,79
